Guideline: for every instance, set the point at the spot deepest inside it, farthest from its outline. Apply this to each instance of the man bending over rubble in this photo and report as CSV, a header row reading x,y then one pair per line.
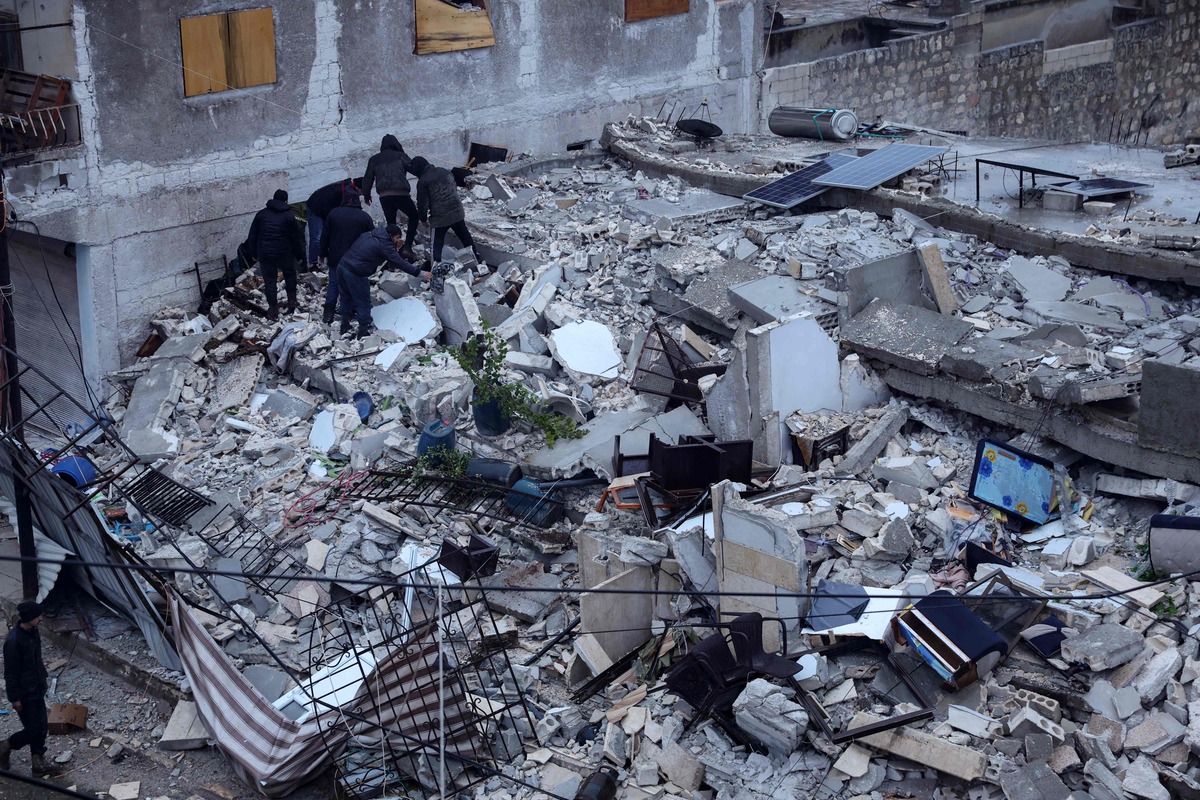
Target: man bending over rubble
x,y
359,264
437,198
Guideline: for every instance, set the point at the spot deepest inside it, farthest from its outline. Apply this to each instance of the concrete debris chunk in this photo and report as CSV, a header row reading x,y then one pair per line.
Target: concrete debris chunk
x,y
1103,647
764,712
1141,780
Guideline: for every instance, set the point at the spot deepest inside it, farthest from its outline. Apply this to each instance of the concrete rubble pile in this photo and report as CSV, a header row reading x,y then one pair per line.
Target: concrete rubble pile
x,y
825,325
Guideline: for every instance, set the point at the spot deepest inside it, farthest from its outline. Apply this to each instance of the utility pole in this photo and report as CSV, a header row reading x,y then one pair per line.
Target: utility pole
x,y
12,411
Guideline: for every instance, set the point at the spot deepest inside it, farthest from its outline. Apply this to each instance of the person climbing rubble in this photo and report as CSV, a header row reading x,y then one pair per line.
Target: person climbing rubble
x,y
355,270
318,207
387,172
437,200
276,243
25,686
342,228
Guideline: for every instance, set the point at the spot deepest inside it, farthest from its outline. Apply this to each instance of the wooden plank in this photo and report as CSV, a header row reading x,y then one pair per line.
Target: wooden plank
x,y
251,47
205,42
638,10
1138,592
184,731
939,280
443,28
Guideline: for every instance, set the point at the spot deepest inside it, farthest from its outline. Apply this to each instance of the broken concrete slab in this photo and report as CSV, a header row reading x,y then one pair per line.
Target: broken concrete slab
x,y
937,278
290,402
592,451
1075,313
631,601
154,396
906,336
1103,646
895,278
1037,282
984,359
1170,393
189,347
457,311
408,318
863,452
694,204
776,297
923,748
586,348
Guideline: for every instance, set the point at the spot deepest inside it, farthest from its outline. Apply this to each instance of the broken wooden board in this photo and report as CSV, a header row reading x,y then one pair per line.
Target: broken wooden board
x,y
443,28
385,517
1140,593
638,10
184,730
939,280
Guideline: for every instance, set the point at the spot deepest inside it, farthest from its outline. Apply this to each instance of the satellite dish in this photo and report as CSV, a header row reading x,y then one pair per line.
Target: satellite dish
x,y
701,129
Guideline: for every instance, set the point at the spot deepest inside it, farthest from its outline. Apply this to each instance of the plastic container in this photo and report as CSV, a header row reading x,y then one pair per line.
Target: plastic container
x,y
600,785
438,433
490,420
75,470
493,470
528,501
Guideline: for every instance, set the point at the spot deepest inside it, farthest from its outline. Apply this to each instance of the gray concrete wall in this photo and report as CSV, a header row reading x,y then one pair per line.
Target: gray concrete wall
x,y
810,43
1014,21
163,181
1146,73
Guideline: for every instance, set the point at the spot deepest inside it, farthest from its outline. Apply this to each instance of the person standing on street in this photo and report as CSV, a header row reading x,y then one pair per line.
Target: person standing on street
x,y
355,270
343,226
320,203
276,243
25,685
387,172
437,197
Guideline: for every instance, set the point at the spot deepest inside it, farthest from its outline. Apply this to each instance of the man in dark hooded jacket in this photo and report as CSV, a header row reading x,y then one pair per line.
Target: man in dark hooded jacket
x,y
387,172
317,208
276,243
343,226
356,267
437,197
25,687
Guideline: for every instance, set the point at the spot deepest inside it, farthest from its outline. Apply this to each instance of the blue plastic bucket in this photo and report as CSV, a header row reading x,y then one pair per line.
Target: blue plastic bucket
x,y
436,434
76,470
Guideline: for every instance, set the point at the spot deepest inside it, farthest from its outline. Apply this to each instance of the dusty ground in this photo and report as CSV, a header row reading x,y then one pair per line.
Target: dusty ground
x,y
120,713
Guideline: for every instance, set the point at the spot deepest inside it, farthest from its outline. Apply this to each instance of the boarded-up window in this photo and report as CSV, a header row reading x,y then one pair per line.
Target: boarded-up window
x,y
637,10
444,26
227,51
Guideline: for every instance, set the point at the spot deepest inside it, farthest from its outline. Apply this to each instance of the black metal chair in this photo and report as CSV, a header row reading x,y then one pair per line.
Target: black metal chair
x,y
746,631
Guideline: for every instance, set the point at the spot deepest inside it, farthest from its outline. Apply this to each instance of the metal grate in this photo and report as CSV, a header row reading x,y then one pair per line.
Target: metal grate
x,y
663,369
156,495
526,507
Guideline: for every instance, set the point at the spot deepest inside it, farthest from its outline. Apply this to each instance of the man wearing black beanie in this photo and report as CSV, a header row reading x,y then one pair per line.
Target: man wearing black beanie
x,y
276,243
25,686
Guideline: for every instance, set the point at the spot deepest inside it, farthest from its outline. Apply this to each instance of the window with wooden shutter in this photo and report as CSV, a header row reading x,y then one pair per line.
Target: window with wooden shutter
x,y
443,26
638,10
233,50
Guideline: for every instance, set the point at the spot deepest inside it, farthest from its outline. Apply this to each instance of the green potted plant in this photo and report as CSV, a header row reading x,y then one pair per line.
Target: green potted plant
x,y
497,401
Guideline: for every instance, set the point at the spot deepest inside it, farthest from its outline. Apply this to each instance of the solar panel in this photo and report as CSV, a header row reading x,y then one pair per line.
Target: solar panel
x,y
1098,187
792,190
880,166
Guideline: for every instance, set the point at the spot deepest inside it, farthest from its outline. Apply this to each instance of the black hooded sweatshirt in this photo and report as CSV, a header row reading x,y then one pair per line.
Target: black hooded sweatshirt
x,y
275,232
330,196
387,170
342,228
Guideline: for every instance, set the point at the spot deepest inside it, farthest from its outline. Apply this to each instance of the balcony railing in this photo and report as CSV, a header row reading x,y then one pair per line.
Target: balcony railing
x,y
35,113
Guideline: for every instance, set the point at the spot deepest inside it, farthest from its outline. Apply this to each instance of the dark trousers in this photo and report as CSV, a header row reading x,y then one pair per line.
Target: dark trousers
x,y
404,202
315,226
331,291
354,295
34,726
270,267
460,230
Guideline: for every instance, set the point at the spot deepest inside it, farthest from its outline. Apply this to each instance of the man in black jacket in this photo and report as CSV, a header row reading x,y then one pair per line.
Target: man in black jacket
x,y
276,243
355,270
387,172
317,208
437,196
343,226
25,687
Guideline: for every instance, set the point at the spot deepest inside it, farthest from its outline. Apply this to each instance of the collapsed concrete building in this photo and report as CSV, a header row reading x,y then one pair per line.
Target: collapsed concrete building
x,y
798,563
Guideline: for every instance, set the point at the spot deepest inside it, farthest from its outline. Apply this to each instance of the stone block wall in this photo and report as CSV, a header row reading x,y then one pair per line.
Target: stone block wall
x,y
1146,73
